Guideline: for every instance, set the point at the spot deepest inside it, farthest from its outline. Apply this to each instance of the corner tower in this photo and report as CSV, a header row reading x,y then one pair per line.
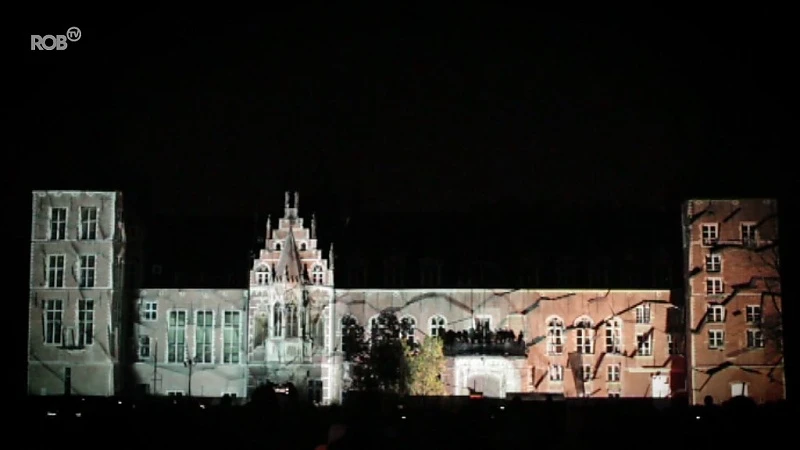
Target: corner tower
x,y
291,286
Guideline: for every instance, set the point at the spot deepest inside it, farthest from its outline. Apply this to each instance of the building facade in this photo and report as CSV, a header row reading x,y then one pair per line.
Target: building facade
x,y
191,342
288,324
503,342
734,313
76,297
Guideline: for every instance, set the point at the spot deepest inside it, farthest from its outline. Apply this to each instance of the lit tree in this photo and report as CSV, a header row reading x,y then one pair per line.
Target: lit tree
x,y
425,367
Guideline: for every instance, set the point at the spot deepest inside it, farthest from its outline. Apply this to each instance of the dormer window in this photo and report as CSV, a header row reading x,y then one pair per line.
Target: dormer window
x,y
262,276
317,275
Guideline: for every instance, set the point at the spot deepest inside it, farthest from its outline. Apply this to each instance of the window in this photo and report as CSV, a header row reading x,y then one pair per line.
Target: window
x,y
262,276
315,391
278,246
482,324
584,334
85,322
204,337
374,325
713,263
88,269
88,229
347,324
753,314
55,271
586,373
613,374
230,337
53,316
150,311
672,347
643,313
613,336
302,246
715,314
58,224
739,389
317,275
644,344
144,347
408,327
176,337
291,321
277,320
556,373
613,394
748,231
324,332
437,328
710,233
716,339
555,336
713,286
755,338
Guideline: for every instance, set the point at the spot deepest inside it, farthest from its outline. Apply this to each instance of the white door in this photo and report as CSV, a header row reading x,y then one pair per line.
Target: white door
x,y
660,386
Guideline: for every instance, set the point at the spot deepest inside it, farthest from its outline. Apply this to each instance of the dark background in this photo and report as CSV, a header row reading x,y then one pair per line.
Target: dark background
x,y
511,129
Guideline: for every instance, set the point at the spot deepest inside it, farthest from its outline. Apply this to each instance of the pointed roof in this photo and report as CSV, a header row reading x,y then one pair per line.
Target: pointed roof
x,y
289,262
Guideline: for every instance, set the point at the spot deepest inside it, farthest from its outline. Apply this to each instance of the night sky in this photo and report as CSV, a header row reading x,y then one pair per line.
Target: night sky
x,y
423,115
483,111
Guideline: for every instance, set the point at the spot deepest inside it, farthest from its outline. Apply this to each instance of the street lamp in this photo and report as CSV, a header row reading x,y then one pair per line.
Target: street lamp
x,y
189,363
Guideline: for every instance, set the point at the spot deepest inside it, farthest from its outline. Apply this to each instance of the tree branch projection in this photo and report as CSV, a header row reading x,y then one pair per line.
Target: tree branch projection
x,y
759,254
356,344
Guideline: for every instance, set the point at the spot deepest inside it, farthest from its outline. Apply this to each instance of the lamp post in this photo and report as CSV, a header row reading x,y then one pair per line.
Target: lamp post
x,y
189,363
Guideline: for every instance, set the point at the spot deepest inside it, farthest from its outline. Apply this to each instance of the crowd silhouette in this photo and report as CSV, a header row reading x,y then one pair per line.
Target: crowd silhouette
x,y
285,421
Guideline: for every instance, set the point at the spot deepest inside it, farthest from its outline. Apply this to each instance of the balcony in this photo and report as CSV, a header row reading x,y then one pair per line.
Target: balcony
x,y
500,343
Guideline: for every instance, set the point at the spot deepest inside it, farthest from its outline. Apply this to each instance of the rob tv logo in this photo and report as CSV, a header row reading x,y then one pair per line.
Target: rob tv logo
x,y
57,42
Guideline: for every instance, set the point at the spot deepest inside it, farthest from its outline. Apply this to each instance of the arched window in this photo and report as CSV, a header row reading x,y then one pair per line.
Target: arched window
x,y
584,335
303,247
408,327
317,275
555,336
277,320
291,321
262,275
323,331
437,326
347,327
614,336
278,246
374,325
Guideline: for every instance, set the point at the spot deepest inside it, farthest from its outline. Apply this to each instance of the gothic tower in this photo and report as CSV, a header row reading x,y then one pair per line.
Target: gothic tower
x,y
291,286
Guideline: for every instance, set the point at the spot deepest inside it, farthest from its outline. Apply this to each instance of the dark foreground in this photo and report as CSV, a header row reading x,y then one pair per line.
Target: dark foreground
x,y
380,424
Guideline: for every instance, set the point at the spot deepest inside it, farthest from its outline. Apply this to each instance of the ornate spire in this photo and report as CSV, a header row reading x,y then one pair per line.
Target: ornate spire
x,y
289,265
313,226
269,225
331,257
297,201
286,200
